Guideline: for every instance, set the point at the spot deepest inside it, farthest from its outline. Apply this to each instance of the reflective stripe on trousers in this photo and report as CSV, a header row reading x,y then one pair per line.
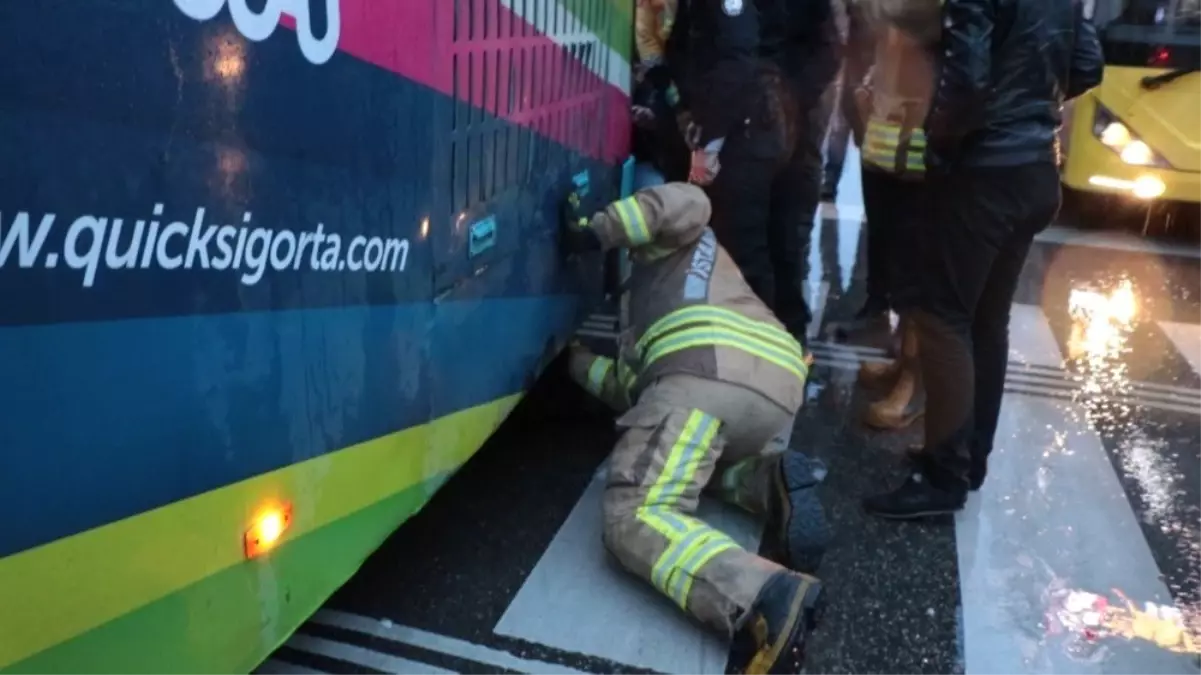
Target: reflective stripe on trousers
x,y
666,455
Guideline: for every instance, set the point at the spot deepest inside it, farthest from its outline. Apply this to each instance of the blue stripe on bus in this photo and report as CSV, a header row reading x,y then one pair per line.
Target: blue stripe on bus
x,y
105,420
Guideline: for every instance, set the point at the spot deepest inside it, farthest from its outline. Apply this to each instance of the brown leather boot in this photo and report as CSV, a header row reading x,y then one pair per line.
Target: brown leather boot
x,y
879,374
906,403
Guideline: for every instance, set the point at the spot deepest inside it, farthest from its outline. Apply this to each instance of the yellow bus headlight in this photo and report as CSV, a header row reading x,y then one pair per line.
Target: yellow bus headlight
x,y
1115,135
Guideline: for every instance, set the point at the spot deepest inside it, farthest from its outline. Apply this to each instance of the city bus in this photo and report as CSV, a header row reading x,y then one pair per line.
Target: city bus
x,y
1136,139
272,271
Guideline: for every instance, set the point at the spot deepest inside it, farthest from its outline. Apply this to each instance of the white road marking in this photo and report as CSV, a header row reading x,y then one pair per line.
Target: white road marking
x,y
437,643
1051,512
1187,339
577,598
275,666
361,656
1117,241
816,295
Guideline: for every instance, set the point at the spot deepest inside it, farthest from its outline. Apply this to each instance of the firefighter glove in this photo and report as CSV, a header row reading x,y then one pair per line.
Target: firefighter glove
x,y
576,236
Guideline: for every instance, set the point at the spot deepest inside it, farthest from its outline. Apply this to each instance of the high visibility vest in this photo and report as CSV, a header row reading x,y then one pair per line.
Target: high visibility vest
x,y
887,147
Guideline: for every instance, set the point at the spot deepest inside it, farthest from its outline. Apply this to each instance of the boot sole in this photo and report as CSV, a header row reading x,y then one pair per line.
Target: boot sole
x,y
801,520
801,622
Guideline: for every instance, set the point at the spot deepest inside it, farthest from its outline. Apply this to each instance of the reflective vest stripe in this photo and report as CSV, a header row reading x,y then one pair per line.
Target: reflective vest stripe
x,y
882,147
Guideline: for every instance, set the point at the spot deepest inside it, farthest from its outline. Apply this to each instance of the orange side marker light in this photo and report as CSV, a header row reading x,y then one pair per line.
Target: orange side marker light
x,y
267,529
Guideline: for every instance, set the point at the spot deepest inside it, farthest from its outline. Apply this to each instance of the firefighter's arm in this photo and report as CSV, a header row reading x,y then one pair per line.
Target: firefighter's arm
x,y
1088,63
646,36
665,217
600,376
735,44
966,71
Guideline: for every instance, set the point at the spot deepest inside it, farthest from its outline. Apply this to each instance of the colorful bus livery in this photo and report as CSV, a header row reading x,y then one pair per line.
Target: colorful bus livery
x,y
261,300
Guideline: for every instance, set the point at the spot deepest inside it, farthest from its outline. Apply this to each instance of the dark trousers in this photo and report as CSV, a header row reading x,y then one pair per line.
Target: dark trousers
x,y
985,221
764,200
837,140
897,211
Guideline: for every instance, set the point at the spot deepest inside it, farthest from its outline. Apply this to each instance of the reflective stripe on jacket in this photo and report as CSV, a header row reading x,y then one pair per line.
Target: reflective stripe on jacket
x,y
688,309
900,81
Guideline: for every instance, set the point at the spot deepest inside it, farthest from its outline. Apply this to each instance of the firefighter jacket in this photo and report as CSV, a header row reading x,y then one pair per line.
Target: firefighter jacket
x,y
898,82
688,309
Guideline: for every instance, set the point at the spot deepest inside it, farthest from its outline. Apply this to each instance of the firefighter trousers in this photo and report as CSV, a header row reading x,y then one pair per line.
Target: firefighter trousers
x,y
686,434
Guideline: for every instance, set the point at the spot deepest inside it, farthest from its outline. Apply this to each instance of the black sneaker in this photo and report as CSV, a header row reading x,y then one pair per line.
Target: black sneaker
x,y
916,454
870,321
771,637
916,498
798,522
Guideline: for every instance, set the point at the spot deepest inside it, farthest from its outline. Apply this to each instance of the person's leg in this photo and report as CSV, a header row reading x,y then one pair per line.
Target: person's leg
x,y
1032,197
794,200
741,201
960,247
905,403
879,195
666,454
836,153
779,485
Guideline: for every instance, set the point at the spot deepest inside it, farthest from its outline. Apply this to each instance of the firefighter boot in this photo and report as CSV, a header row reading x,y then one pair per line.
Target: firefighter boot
x,y
907,400
771,636
797,522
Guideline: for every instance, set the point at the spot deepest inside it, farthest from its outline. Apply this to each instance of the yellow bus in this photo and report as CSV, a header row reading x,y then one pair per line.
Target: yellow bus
x,y
1137,137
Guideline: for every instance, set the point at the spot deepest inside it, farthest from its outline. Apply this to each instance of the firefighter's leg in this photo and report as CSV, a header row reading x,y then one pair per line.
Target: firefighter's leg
x,y
752,473
666,454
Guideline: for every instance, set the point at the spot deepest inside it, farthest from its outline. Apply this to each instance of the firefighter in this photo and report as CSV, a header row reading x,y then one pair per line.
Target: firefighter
x,y
753,80
893,99
705,377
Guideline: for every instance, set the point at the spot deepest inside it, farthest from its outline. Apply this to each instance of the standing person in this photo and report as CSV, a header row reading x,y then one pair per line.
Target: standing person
x,y
753,86
896,92
704,379
992,154
658,145
859,54
839,133
652,26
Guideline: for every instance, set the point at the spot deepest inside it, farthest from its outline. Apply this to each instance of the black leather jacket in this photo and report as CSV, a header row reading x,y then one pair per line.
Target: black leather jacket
x,y
719,51
1008,66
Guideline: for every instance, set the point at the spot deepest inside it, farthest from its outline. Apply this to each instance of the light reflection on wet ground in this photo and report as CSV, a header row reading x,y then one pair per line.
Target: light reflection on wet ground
x,y
1095,494
1103,317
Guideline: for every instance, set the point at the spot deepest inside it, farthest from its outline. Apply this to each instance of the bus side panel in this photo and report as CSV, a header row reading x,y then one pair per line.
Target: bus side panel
x,y
155,400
